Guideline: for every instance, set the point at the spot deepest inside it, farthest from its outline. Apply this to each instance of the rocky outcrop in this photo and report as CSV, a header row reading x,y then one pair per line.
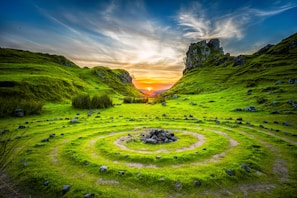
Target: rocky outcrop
x,y
125,77
201,52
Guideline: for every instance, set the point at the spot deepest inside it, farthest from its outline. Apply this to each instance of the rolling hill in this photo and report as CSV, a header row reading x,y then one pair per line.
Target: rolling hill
x,y
267,78
52,78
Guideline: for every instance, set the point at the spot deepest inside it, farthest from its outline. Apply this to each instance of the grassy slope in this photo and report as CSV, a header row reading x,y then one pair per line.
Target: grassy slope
x,y
46,77
259,74
63,159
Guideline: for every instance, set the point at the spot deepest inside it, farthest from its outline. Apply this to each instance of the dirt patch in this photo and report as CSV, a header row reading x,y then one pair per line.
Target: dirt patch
x,y
280,168
139,165
107,182
256,187
54,155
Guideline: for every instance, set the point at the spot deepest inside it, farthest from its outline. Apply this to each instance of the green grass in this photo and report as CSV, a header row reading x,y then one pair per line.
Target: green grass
x,y
203,106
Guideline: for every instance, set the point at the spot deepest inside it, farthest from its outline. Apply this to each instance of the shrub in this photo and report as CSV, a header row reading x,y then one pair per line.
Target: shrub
x,y
81,101
84,101
29,107
135,100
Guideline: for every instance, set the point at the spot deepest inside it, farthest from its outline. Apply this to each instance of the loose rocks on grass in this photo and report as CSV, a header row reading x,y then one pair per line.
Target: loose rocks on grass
x,y
65,189
158,136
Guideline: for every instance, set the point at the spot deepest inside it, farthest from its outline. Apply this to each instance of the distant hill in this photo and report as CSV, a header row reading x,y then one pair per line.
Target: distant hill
x,y
267,76
38,76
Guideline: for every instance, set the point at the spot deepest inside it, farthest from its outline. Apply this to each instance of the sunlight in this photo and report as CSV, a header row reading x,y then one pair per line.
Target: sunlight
x,y
149,88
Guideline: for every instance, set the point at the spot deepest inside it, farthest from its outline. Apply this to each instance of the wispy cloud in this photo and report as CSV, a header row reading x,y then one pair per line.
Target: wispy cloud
x,y
128,41
199,23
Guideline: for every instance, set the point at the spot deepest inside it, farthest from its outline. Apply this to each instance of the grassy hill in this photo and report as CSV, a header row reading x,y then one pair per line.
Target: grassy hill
x,y
37,76
266,78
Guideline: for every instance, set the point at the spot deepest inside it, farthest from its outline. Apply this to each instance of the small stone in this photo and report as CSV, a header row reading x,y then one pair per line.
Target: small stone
x,y
21,127
46,183
65,189
230,172
89,195
74,120
45,140
274,112
197,183
103,169
122,172
245,167
286,124
19,113
178,185
52,135
158,157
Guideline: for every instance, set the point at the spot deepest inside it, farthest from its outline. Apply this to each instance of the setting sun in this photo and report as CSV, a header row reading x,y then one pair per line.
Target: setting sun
x,y
149,88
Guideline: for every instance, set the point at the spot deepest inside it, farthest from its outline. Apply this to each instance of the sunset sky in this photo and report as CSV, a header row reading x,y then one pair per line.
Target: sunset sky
x,y
148,38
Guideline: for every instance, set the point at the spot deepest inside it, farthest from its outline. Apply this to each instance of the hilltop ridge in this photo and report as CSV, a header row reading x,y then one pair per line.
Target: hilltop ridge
x,y
44,77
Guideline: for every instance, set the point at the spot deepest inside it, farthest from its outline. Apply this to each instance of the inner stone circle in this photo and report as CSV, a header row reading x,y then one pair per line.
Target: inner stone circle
x,y
158,136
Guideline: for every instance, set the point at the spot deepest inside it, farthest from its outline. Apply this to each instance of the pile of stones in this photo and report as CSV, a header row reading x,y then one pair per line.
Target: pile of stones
x,y
158,136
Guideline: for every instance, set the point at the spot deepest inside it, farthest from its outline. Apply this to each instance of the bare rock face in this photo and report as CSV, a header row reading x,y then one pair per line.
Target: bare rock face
x,y
125,77
200,52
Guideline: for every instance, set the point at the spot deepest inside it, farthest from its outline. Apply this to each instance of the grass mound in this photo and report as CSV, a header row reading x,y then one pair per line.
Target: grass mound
x,y
96,102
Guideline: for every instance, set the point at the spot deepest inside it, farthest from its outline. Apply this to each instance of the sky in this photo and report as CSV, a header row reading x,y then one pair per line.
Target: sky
x,y
148,38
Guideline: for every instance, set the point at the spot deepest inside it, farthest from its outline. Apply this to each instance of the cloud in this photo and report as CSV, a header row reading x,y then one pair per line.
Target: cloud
x,y
199,23
119,40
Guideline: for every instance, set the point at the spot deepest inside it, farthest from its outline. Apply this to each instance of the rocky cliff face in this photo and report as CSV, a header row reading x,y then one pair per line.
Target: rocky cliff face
x,y
202,52
125,77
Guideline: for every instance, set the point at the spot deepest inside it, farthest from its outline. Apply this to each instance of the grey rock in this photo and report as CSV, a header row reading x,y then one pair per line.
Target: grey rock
x,y
197,183
178,185
75,120
292,81
239,60
89,195
286,124
19,113
230,172
103,169
65,189
45,140
245,167
47,182
122,172
52,135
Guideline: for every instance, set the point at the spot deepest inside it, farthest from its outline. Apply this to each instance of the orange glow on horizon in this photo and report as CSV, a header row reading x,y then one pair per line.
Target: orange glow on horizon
x,y
151,85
